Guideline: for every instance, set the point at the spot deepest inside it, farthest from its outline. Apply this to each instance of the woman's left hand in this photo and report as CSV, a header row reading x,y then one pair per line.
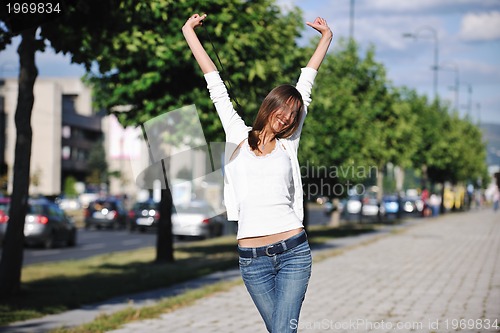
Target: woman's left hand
x,y
321,26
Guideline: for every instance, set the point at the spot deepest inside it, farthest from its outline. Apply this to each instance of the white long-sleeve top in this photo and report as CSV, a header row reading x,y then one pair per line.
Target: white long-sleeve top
x,y
236,131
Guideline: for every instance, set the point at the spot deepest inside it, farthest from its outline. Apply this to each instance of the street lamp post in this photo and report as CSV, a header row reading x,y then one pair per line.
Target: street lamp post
x,y
351,21
478,106
454,68
469,98
434,36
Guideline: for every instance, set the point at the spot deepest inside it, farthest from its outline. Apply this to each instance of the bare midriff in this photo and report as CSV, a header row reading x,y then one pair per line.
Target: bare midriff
x,y
268,239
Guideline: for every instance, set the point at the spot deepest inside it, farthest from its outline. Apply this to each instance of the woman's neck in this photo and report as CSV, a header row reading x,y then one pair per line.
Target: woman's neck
x,y
265,138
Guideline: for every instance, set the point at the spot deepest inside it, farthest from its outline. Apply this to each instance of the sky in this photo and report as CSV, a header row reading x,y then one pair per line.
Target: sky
x,y
468,42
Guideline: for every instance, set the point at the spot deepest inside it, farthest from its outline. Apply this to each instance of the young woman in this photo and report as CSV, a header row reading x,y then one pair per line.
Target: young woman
x,y
263,189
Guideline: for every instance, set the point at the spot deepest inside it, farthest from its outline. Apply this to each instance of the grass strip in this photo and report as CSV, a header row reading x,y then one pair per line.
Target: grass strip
x,y
57,287
108,322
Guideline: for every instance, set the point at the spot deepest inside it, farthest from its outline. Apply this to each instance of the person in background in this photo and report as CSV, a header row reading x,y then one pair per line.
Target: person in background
x,y
496,199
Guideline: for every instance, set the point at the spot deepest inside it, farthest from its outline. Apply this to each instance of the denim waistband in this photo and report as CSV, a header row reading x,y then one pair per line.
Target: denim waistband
x,y
273,249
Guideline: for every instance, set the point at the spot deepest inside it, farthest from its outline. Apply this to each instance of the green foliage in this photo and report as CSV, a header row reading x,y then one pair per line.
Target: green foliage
x,y
357,119
147,65
69,187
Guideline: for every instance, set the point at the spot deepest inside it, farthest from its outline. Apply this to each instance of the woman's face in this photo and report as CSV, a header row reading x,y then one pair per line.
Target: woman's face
x,y
282,118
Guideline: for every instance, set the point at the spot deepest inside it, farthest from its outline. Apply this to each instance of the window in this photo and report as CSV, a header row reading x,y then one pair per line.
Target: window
x,y
66,132
68,103
66,153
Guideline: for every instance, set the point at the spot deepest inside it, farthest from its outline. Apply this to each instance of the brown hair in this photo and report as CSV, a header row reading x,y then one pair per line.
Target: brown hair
x,y
283,95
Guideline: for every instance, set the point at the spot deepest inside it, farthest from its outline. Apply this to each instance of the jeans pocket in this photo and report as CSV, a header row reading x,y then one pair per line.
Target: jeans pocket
x,y
245,262
301,250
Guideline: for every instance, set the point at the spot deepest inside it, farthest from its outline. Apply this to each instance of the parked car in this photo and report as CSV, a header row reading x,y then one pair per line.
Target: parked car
x,y
4,216
413,205
391,204
144,215
106,212
353,205
371,207
46,224
197,219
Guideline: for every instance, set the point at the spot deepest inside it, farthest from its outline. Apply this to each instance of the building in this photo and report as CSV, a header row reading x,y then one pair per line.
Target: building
x,y
65,128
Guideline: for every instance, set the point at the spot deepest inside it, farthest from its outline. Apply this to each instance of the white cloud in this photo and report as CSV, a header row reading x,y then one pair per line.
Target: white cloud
x,y
427,6
480,27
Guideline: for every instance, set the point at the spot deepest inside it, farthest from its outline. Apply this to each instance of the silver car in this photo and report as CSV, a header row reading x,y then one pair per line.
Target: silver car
x,y
46,224
196,219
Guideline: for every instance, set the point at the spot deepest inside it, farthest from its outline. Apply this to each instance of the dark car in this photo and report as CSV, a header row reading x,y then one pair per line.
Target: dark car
x,y
391,205
106,213
46,224
144,215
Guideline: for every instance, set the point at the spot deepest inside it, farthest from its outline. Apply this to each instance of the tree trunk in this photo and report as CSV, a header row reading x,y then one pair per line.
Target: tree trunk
x,y
380,192
164,237
12,254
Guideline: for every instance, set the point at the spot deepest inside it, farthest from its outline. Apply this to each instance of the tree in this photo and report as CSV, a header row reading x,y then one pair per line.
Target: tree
x,y
148,66
12,254
97,165
70,187
74,25
334,133
359,122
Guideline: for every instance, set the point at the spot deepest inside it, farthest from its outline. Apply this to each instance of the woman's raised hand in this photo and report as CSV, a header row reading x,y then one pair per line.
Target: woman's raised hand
x,y
194,21
321,26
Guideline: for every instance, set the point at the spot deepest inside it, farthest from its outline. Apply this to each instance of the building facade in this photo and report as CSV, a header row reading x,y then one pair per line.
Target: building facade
x,y
64,126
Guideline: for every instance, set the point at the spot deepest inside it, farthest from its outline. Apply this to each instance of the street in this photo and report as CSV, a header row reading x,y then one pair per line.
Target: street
x,y
91,243
95,242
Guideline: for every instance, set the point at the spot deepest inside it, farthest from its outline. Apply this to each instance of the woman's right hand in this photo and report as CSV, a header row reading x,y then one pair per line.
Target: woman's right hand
x,y
194,21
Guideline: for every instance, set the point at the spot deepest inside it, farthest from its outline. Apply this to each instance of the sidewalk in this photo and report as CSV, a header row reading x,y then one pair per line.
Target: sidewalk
x,y
437,276
439,270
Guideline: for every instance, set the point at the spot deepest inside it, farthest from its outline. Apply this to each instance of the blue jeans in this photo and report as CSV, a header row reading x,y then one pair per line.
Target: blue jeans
x,y
278,284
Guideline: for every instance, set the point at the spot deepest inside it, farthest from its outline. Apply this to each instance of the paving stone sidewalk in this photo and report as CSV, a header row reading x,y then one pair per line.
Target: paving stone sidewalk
x,y
441,275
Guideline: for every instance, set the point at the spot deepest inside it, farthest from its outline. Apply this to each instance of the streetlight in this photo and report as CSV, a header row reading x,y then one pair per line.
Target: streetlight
x,y
434,36
469,98
351,21
454,68
478,106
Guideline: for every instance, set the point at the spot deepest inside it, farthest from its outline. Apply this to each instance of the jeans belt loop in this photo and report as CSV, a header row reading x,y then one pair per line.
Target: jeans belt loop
x,y
254,252
283,243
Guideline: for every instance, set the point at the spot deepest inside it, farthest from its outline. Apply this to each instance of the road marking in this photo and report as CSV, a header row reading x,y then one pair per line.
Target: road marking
x,y
93,246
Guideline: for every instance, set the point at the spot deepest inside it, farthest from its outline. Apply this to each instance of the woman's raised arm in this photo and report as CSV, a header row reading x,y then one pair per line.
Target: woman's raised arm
x,y
322,27
206,64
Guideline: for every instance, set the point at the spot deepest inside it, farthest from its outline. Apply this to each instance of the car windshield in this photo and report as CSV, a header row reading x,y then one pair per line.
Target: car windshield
x,y
35,209
145,205
100,205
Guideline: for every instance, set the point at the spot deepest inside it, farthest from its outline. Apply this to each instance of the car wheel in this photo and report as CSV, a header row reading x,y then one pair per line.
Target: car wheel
x,y
72,240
